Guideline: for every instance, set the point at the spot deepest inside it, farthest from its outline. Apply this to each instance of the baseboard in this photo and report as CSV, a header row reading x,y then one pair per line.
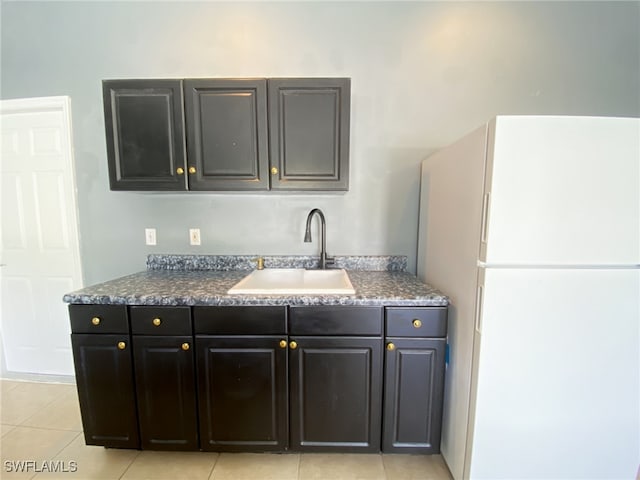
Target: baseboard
x,y
34,377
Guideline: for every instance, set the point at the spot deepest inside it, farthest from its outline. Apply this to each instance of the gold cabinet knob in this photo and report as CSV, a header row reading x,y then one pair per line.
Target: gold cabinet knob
x,y
283,344
293,345
185,346
192,169
274,170
180,171
157,322
391,347
95,320
417,323
122,345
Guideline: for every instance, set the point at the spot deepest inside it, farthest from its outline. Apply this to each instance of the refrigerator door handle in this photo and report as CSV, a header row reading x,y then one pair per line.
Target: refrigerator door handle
x,y
484,226
485,216
478,316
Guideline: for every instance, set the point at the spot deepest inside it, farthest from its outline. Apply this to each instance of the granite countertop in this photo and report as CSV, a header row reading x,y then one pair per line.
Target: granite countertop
x,y
205,280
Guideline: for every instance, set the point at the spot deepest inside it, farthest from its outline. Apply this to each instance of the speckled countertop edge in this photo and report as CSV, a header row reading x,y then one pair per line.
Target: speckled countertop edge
x,y
173,286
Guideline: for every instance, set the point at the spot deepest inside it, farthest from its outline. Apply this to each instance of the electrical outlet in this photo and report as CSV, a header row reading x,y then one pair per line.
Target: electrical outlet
x,y
194,236
150,236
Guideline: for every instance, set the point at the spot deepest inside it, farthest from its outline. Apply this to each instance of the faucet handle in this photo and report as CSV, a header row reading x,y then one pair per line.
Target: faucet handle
x,y
259,263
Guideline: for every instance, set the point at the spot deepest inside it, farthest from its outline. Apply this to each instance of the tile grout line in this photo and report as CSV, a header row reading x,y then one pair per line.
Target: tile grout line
x,y
63,446
9,389
384,468
213,467
41,408
44,428
130,463
66,445
5,433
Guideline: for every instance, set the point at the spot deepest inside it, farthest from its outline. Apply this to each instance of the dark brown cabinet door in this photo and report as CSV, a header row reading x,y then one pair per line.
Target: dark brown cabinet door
x,y
242,391
227,140
335,393
104,378
145,134
165,382
413,392
309,133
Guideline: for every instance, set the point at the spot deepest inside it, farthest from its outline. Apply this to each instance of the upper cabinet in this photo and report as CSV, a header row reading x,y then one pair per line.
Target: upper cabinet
x,y
227,141
228,134
309,133
145,134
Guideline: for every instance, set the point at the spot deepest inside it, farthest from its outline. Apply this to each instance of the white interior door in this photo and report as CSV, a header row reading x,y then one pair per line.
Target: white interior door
x,y
39,239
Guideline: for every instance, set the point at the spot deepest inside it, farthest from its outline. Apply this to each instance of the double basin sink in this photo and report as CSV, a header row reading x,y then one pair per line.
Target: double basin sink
x,y
294,281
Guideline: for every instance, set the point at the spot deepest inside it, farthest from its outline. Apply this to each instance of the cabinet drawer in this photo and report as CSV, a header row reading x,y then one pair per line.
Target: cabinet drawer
x,y
160,320
98,319
335,320
416,322
240,320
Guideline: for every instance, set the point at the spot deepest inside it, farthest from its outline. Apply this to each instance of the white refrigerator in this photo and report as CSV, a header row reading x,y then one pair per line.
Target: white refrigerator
x,y
531,225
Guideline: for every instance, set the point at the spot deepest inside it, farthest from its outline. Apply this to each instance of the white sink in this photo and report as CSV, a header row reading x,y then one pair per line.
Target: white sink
x,y
294,281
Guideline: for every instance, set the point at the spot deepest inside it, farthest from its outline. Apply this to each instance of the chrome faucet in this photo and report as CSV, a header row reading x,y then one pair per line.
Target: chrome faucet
x,y
324,259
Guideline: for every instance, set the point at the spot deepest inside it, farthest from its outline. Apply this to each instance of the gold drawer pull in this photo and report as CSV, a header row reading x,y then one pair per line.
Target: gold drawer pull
x,y
180,171
283,344
157,322
293,345
391,347
122,345
95,320
192,170
417,323
274,171
185,346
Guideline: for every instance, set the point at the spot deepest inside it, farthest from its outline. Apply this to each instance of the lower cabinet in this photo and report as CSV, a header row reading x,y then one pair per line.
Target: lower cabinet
x,y
164,365
335,393
414,379
261,378
242,377
104,378
242,386
104,374
166,392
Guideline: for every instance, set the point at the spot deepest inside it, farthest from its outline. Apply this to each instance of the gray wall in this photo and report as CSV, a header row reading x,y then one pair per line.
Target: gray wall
x,y
423,74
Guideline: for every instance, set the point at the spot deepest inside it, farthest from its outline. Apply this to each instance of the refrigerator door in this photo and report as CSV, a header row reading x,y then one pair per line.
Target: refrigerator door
x,y
557,380
562,191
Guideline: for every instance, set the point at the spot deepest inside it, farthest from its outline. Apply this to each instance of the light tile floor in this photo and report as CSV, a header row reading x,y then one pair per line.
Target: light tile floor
x,y
41,424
